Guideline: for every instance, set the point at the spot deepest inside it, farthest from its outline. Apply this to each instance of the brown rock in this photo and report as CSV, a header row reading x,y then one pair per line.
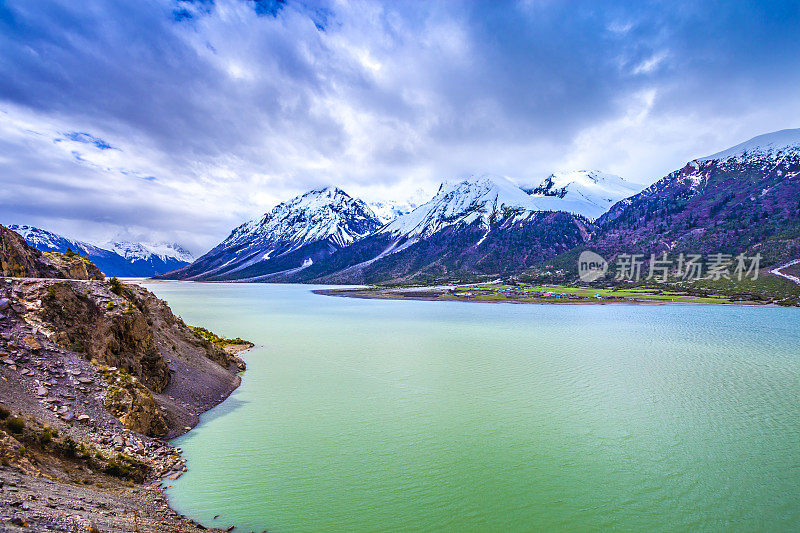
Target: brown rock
x,y
31,343
134,407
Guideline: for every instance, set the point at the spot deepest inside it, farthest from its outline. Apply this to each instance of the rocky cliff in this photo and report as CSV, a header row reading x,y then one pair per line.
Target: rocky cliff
x,y
93,373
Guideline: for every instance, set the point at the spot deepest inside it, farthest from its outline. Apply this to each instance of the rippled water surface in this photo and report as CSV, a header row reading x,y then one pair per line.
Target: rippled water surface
x,y
375,415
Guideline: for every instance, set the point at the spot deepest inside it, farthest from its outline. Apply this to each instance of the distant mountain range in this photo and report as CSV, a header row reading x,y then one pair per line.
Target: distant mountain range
x,y
477,226
744,199
124,259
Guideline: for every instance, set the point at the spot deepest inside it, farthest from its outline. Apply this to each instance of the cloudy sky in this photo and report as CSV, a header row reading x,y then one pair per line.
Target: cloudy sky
x,y
177,120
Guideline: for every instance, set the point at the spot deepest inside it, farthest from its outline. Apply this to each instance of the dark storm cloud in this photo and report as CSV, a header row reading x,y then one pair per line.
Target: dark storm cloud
x,y
216,109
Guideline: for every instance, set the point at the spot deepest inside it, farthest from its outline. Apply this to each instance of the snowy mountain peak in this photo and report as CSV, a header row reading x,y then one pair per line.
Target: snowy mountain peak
x,y
326,192
584,192
769,150
292,236
485,198
43,238
770,145
486,190
320,214
489,198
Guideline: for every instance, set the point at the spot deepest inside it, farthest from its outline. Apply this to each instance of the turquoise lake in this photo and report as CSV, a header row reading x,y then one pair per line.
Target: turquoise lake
x,y
378,415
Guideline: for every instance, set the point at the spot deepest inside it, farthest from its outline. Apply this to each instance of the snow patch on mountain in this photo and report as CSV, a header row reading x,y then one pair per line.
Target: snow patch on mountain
x,y
583,192
386,211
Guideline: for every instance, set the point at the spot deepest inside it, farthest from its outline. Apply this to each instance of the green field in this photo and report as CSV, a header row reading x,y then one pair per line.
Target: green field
x,y
564,293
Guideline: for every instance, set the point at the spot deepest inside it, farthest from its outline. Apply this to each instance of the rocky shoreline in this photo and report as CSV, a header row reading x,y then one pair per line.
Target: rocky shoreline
x,y
94,377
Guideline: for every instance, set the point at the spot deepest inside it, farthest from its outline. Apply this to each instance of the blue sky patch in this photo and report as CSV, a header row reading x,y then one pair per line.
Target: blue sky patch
x,y
82,137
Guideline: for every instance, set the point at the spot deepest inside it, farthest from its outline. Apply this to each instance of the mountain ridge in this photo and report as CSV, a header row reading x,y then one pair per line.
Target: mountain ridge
x,y
478,220
744,198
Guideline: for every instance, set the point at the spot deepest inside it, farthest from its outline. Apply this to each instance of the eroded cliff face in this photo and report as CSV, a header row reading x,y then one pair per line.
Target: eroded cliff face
x,y
17,259
110,329
132,403
164,374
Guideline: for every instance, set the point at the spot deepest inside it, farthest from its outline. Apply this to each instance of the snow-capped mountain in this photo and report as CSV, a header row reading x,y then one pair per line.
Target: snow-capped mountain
x,y
589,193
143,251
478,226
292,236
583,192
120,259
743,199
321,214
769,146
154,259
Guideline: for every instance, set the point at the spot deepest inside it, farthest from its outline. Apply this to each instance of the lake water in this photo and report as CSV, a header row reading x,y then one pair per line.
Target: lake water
x,y
377,415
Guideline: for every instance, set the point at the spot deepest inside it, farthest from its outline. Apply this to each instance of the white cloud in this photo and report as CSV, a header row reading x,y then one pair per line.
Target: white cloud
x,y
650,64
217,118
